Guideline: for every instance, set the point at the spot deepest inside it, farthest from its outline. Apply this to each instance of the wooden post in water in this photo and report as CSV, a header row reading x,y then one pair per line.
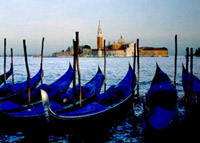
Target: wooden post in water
x,y
104,65
12,66
41,64
133,92
187,71
138,66
134,59
187,60
191,71
78,68
28,73
4,60
175,61
74,72
186,82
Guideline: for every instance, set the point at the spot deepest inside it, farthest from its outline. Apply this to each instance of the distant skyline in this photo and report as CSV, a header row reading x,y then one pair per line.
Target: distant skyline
x,y
154,22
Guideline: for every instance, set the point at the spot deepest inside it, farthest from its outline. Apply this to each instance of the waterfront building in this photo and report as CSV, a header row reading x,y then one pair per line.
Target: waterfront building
x,y
153,52
117,49
120,49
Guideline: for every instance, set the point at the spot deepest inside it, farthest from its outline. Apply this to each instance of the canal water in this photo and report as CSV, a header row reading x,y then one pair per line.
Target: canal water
x,y
129,129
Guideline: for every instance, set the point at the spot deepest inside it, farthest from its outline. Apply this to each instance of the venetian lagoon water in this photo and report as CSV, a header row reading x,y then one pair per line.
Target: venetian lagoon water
x,y
129,130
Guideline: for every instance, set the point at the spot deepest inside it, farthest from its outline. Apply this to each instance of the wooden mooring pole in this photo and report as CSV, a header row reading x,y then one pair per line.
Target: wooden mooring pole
x,y
187,71
28,73
133,91
187,60
138,67
186,82
4,60
104,65
74,73
175,61
78,68
76,63
41,64
134,57
12,66
191,71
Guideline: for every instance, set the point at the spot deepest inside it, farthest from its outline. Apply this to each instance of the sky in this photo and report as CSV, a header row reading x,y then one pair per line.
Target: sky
x,y
153,22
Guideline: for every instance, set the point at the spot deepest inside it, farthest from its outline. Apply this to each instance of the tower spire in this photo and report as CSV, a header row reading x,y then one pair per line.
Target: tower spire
x,y
99,25
99,31
99,37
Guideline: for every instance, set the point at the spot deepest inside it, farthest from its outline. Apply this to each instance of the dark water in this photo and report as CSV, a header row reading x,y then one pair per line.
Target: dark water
x,y
129,129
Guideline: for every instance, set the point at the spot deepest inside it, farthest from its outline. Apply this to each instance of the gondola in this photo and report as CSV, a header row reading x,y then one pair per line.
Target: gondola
x,y
192,93
89,91
109,105
161,103
186,83
57,88
8,74
12,92
191,86
36,113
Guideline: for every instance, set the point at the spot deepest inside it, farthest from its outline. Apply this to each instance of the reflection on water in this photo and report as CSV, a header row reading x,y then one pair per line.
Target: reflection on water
x,y
127,130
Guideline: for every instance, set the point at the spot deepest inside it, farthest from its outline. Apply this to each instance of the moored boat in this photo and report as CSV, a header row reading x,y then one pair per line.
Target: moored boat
x,y
13,91
8,74
56,88
161,103
37,114
108,107
189,86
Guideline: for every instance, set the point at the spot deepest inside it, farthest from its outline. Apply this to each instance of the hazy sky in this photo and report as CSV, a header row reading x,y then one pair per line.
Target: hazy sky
x,y
154,22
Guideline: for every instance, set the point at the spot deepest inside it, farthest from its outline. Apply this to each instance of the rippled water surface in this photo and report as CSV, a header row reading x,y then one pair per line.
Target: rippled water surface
x,y
130,128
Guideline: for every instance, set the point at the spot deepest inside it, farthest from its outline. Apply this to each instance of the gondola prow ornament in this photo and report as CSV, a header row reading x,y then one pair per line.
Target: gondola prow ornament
x,y
45,103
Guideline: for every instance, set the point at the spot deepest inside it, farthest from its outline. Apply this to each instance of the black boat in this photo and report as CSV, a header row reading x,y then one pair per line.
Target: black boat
x,y
109,106
161,103
36,113
57,88
190,86
8,74
12,92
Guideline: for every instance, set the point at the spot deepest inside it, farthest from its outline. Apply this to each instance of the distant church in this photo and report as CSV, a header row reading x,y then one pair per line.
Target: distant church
x,y
120,49
99,38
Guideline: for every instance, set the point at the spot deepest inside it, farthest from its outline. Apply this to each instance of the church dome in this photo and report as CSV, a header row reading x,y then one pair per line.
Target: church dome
x,y
121,40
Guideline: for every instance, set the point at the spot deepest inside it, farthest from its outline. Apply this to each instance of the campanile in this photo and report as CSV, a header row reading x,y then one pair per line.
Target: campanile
x,y
99,37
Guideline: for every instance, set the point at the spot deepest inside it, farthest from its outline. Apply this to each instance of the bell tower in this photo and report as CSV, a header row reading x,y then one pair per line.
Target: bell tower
x,y
99,37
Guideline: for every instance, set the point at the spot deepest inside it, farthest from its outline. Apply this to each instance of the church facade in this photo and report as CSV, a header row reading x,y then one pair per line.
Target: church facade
x,y
120,49
117,49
